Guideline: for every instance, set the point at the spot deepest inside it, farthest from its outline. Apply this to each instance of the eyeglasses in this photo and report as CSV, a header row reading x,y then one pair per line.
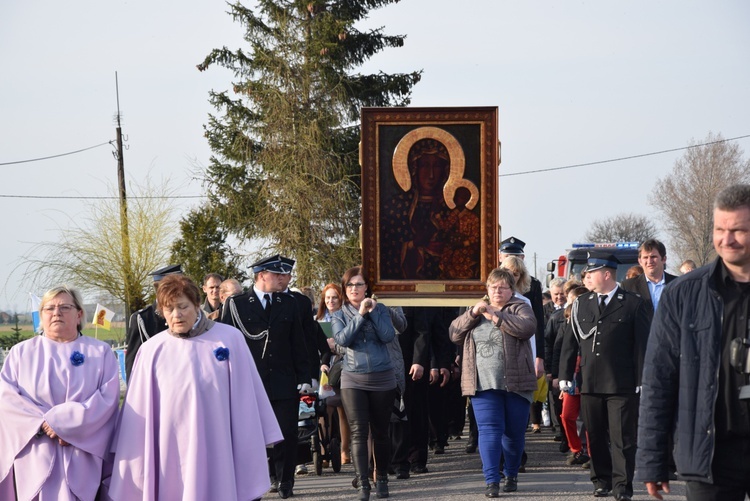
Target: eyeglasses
x,y
493,288
356,286
64,308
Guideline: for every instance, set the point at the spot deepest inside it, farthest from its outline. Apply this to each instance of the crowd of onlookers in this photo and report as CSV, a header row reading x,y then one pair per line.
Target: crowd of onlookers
x,y
646,378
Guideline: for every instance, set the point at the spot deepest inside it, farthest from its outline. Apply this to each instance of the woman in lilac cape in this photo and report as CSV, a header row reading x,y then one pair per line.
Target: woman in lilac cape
x,y
58,404
196,420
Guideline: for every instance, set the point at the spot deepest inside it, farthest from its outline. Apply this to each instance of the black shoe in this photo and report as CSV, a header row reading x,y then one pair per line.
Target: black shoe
x,y
471,448
511,484
285,490
364,490
558,437
492,490
624,497
419,470
564,447
439,449
601,492
274,486
403,475
672,475
579,458
381,488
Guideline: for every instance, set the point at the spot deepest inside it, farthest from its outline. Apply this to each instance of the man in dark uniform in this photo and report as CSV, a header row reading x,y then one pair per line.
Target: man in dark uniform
x,y
611,326
146,322
515,247
315,338
272,326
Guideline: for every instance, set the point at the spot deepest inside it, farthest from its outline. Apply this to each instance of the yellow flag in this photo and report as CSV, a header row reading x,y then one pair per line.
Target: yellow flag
x,y
103,317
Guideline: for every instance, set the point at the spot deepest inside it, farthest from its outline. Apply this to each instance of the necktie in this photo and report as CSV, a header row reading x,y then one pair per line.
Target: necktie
x,y
602,304
267,299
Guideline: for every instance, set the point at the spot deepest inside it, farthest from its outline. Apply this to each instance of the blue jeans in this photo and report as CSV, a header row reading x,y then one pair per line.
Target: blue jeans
x,y
501,419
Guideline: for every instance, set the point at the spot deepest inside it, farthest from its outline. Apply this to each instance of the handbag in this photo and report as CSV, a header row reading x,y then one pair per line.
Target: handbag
x,y
334,372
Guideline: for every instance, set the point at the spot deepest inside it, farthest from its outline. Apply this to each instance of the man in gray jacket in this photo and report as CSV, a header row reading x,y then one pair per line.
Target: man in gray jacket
x,y
693,387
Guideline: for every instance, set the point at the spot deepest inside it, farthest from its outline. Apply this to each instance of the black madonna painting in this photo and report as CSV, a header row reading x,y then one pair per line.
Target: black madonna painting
x,y
429,186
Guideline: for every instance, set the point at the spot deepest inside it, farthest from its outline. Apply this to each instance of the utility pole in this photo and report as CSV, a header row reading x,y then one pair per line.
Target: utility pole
x,y
124,232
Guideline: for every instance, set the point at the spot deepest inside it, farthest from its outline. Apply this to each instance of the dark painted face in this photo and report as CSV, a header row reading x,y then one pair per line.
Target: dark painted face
x,y
430,173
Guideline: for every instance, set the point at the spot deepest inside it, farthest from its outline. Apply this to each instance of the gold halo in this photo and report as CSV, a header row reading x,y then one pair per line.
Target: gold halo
x,y
456,179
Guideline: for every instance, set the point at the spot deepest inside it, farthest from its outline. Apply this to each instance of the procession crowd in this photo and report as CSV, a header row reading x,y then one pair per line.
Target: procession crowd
x,y
645,380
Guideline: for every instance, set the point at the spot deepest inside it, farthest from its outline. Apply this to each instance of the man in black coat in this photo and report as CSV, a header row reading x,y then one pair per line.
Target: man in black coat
x,y
272,325
146,322
695,388
611,326
652,256
315,338
514,247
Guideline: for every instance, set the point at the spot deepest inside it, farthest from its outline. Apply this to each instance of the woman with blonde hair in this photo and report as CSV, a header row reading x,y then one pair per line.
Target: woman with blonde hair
x,y
59,394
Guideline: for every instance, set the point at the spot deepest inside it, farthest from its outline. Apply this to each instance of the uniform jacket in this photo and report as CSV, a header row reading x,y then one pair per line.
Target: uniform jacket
x,y
517,324
639,286
143,324
416,339
315,338
537,304
276,340
681,380
552,331
612,357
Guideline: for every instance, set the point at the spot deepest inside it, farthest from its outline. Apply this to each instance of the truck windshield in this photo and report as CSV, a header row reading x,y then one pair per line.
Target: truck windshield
x,y
577,267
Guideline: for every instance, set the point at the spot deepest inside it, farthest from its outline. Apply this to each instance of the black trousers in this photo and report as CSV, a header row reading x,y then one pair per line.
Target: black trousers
x,y
417,400
369,412
438,414
284,455
611,421
400,446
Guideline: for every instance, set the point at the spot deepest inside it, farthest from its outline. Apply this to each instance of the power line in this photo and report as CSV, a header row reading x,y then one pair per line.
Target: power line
x,y
55,156
42,197
622,158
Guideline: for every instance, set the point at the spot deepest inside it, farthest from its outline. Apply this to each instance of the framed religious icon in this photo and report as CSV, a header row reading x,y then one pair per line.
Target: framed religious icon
x,y
429,203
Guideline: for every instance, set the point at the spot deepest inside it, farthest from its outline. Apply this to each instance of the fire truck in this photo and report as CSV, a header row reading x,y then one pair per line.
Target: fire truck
x,y
570,264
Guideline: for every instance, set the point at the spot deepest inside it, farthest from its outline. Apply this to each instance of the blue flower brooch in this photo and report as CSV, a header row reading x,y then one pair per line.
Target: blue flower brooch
x,y
221,354
77,358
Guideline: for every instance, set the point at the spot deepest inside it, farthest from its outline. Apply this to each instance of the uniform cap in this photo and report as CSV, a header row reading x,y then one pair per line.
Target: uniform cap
x,y
512,246
598,260
167,270
274,264
287,264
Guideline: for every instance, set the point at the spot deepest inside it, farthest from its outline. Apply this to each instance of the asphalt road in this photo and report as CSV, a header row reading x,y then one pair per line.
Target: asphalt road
x,y
457,476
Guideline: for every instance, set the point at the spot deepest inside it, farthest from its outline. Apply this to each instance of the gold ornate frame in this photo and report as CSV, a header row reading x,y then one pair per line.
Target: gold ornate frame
x,y
471,138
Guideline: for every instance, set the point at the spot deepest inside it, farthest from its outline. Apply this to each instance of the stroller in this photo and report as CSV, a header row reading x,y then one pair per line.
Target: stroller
x,y
316,434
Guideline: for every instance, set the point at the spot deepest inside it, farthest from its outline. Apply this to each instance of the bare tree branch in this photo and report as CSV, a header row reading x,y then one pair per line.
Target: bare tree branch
x,y
686,195
88,251
627,227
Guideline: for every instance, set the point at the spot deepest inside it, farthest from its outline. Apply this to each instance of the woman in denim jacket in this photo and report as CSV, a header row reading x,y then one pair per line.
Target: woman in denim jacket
x,y
363,328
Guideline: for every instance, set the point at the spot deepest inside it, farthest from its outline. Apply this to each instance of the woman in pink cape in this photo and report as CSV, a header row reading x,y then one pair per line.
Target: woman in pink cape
x,y
196,420
58,404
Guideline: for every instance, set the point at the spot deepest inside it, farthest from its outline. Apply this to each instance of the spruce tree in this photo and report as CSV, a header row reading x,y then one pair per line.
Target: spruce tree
x,y
202,248
284,171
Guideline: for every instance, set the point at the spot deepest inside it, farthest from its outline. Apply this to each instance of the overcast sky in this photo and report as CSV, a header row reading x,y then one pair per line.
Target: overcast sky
x,y
575,82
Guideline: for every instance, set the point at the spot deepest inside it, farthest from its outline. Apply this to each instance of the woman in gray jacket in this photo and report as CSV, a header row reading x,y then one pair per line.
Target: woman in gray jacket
x,y
497,372
363,328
